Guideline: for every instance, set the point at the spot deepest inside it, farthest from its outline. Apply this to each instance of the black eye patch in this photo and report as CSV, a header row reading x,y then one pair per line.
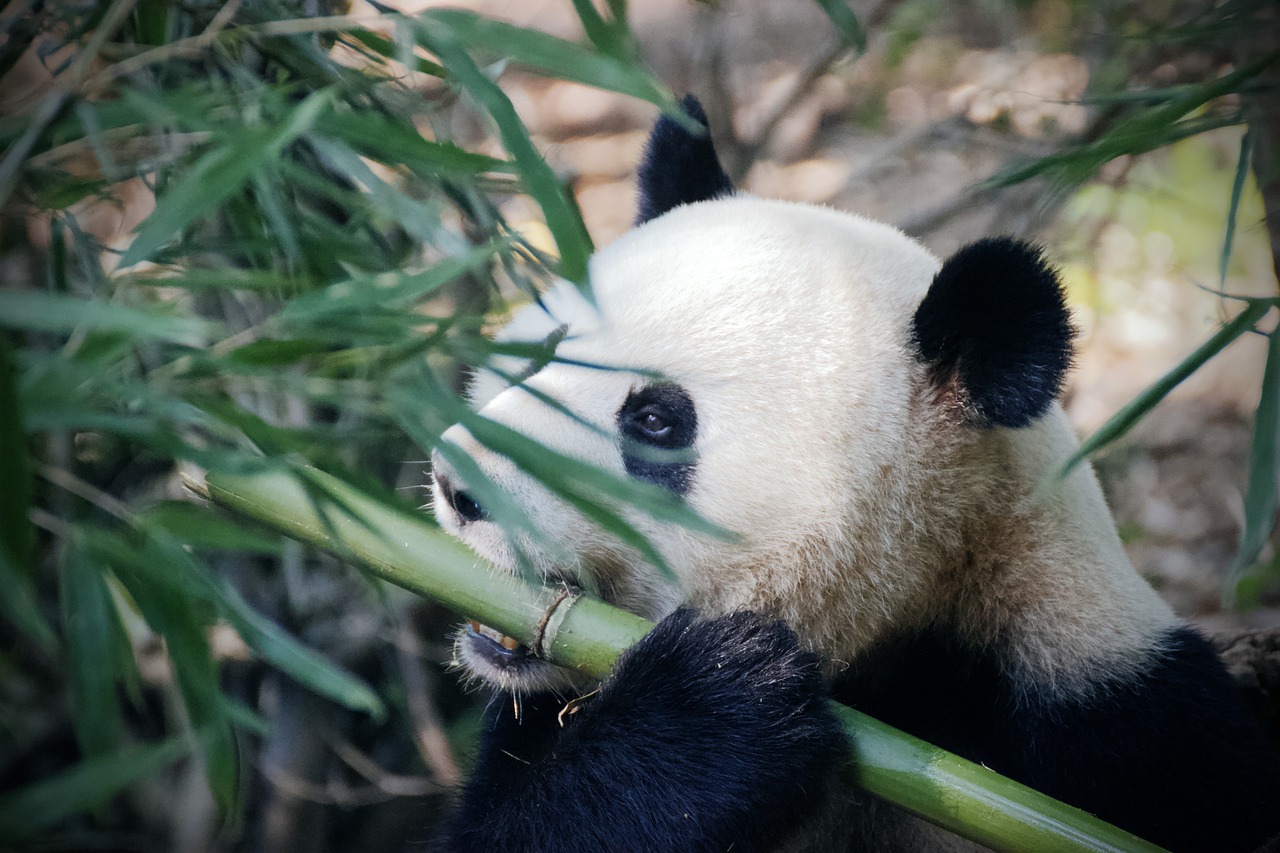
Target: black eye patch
x,y
653,422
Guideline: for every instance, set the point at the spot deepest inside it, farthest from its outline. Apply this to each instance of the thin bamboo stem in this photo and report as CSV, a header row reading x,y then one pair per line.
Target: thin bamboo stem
x,y
584,633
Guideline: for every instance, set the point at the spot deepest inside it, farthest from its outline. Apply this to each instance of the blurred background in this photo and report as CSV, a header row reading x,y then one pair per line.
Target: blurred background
x,y
239,235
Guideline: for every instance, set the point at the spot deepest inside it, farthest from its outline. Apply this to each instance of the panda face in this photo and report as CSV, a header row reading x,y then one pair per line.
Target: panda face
x,y
753,357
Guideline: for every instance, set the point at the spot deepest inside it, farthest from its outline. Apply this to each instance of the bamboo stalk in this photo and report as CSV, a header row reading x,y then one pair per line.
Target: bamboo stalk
x,y
584,633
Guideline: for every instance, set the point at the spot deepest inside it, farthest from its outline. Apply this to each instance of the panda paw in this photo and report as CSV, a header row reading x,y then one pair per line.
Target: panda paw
x,y
729,716
739,685
741,667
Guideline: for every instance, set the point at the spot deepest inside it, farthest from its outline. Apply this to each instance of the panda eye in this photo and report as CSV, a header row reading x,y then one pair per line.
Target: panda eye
x,y
660,416
653,421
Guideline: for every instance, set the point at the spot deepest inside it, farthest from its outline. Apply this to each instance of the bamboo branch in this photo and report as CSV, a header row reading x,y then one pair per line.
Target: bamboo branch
x,y
575,630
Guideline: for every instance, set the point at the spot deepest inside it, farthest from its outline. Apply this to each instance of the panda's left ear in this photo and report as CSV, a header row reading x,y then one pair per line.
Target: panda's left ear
x,y
679,166
995,331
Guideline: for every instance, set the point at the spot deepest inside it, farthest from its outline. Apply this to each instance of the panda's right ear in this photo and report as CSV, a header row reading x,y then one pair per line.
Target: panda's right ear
x,y
679,167
995,331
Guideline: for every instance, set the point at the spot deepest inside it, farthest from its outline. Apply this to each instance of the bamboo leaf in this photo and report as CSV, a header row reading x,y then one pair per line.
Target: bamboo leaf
x,y
196,527
578,484
1123,420
16,533
384,48
18,604
1261,501
40,311
611,38
422,422
273,352
563,218
391,141
173,612
219,173
226,278
93,635
266,192
550,466
548,54
306,666
420,219
1237,188
1161,124
27,812
846,23
391,289
266,638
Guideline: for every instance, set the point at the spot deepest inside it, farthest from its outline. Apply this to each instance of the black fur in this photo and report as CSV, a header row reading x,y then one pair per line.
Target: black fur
x,y
1172,756
996,322
679,167
709,736
653,422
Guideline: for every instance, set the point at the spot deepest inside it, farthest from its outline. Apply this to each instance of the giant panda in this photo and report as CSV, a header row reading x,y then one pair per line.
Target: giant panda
x,y
879,430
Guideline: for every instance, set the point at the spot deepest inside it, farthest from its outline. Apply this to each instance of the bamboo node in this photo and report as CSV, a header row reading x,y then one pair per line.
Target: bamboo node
x,y
546,631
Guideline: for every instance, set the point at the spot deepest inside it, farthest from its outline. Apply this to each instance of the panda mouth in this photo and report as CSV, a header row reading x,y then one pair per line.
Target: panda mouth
x,y
505,662
496,648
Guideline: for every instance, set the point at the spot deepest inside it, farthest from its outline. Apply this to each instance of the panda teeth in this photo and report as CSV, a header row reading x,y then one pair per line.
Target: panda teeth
x,y
508,643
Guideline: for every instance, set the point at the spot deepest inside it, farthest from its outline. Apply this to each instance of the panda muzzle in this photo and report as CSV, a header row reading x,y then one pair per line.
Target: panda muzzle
x,y
498,643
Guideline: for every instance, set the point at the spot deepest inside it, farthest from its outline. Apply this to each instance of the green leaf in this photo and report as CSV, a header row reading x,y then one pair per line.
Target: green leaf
x,y
563,218
419,219
399,142
548,54
18,604
39,311
588,489
1123,420
197,527
392,289
16,532
264,636
227,278
1237,188
219,173
89,623
88,785
1261,502
273,352
1155,127
279,225
846,23
385,48
558,470
84,419
172,611
611,38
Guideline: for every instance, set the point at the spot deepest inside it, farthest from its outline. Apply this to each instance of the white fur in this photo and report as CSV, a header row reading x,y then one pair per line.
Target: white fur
x,y
863,504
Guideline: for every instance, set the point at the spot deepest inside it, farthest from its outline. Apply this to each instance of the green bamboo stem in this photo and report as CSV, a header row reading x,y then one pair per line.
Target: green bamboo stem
x,y
584,633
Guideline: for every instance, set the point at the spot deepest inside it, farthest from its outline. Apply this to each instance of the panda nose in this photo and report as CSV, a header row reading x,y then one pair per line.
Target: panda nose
x,y
458,500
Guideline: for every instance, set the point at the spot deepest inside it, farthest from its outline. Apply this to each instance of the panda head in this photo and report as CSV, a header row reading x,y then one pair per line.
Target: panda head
x,y
812,381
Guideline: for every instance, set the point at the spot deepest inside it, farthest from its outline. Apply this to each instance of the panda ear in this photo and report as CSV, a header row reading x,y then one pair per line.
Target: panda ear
x,y
679,167
995,330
